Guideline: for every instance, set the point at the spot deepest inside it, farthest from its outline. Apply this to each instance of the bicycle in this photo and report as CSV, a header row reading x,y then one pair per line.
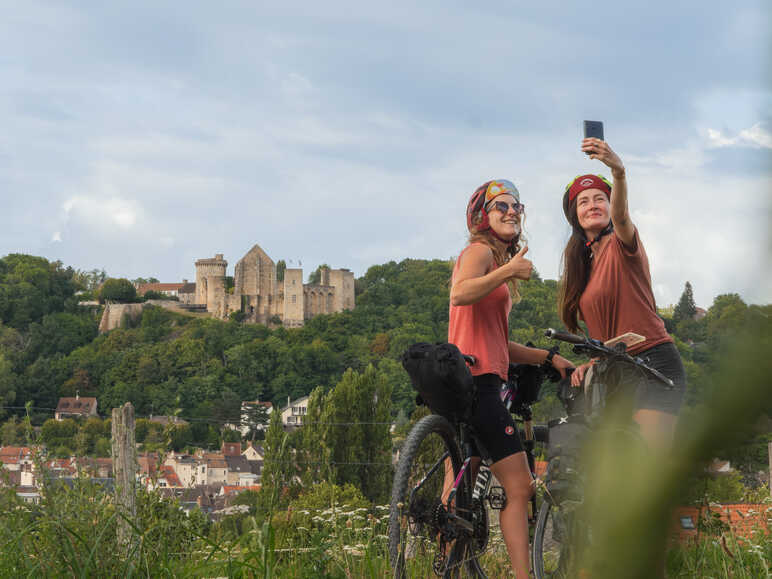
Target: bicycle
x,y
450,528
560,530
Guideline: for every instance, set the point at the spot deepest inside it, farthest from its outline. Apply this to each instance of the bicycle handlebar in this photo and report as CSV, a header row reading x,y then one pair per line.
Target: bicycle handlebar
x,y
591,347
564,336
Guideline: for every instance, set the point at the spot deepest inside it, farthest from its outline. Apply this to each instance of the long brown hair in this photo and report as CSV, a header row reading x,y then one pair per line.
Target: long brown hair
x,y
576,266
501,256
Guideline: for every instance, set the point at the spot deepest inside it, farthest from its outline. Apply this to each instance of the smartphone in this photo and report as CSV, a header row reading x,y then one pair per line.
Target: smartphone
x,y
593,129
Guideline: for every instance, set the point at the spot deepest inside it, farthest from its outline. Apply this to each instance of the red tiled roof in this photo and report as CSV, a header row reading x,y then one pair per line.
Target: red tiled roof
x,y
17,452
159,287
233,489
80,405
167,472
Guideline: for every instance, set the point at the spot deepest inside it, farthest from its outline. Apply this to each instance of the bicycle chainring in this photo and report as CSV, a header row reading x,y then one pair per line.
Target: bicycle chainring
x,y
497,498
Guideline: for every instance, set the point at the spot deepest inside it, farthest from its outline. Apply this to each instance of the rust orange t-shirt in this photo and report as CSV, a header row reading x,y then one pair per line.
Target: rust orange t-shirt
x,y
482,329
618,297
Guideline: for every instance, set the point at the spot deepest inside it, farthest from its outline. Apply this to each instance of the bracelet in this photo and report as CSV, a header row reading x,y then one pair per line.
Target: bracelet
x,y
551,354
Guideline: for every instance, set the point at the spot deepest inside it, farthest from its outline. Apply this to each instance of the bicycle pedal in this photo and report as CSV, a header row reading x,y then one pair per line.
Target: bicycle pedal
x,y
497,498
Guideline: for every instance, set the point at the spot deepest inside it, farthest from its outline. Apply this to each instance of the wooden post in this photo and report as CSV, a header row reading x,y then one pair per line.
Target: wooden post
x,y
769,449
124,468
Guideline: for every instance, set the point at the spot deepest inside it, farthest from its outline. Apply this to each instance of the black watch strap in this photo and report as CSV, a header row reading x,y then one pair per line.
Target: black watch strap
x,y
551,354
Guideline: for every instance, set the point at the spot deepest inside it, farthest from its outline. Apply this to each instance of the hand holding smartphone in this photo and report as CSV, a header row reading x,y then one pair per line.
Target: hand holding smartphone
x,y
593,129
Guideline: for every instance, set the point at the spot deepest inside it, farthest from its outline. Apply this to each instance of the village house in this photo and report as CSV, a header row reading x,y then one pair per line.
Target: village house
x,y
254,455
293,414
186,467
78,407
172,290
19,460
167,420
166,478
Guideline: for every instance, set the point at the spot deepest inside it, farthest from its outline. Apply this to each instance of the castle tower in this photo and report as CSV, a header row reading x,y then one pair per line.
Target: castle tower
x,y
343,282
205,268
294,306
255,284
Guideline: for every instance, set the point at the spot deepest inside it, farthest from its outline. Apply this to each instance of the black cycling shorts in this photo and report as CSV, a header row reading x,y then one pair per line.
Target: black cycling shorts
x,y
654,395
492,422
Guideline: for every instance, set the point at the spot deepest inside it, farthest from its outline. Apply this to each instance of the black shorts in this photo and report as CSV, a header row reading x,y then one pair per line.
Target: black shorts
x,y
654,395
492,422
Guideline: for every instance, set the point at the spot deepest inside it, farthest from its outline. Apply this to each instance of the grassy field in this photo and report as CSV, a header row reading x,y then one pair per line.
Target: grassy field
x,y
72,533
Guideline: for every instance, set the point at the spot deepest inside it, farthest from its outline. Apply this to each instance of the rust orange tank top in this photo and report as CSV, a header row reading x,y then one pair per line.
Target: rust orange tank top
x,y
618,297
482,329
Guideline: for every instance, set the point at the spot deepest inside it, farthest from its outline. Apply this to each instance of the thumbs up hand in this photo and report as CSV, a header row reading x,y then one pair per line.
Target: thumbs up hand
x,y
519,267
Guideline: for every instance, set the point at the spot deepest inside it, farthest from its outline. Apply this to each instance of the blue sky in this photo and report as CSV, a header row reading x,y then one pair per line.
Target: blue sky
x,y
139,137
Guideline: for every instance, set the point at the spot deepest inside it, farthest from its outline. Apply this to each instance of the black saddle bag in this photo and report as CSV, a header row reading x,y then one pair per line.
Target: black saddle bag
x,y
442,378
567,437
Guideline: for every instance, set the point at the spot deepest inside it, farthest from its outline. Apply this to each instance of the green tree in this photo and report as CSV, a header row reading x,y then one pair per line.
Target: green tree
x,y
31,287
353,430
281,267
8,384
90,280
256,419
180,436
685,309
142,280
315,277
9,432
56,433
278,468
117,290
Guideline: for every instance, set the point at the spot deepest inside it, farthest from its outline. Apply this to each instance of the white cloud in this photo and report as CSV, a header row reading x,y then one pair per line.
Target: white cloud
x,y
56,237
756,137
101,213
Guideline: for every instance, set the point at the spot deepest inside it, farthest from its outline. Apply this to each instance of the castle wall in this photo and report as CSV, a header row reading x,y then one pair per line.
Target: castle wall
x,y
261,297
318,299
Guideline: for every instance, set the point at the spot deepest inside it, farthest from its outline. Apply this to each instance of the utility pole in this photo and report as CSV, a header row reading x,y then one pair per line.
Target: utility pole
x,y
124,469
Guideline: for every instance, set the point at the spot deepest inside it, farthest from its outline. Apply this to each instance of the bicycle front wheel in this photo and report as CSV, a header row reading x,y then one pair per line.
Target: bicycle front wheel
x,y
424,537
551,549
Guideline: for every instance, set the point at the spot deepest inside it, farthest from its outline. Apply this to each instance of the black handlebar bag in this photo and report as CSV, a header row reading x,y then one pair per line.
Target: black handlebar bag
x,y
442,378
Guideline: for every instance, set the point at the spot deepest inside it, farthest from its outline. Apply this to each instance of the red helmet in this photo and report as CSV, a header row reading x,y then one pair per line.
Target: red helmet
x,y
480,198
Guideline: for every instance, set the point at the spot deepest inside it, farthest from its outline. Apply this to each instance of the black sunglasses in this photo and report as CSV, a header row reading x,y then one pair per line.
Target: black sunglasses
x,y
504,207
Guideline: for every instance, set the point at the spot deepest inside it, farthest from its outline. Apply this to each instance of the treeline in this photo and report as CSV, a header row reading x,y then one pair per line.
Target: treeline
x,y
201,369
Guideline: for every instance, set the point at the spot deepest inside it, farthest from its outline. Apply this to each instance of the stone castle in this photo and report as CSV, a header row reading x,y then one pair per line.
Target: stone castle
x,y
262,297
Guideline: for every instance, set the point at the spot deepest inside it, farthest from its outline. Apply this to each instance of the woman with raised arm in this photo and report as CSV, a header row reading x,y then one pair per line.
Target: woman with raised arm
x,y
483,288
606,283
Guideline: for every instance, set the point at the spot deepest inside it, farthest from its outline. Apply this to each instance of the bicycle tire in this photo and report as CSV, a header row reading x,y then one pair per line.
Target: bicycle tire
x,y
412,525
550,551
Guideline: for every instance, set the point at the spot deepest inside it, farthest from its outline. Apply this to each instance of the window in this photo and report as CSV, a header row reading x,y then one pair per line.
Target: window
x,y
294,298
687,523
